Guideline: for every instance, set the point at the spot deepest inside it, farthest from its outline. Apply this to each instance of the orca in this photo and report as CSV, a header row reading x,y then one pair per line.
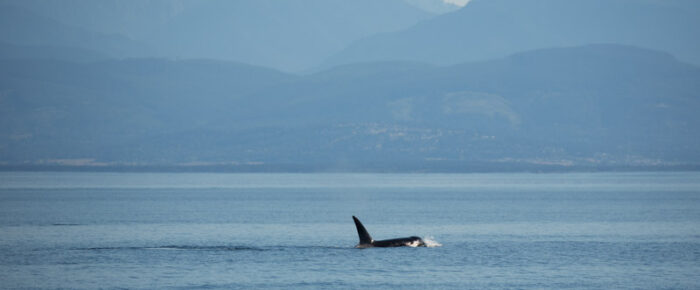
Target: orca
x,y
366,240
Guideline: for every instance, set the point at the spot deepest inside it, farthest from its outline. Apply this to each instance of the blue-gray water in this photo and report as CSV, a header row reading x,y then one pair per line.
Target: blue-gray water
x,y
143,230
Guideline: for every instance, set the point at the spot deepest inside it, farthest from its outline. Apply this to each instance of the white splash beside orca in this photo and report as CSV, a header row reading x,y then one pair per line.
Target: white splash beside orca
x,y
366,240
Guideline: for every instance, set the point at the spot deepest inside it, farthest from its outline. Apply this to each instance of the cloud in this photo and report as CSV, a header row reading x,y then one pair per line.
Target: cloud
x,y
457,2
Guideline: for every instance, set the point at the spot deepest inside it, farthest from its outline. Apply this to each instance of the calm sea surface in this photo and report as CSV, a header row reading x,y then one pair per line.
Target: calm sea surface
x,y
281,231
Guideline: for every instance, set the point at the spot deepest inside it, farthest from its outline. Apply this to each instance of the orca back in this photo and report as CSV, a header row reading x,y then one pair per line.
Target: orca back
x,y
400,242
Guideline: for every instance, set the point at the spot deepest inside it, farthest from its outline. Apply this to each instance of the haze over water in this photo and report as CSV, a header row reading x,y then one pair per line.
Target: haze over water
x,y
271,231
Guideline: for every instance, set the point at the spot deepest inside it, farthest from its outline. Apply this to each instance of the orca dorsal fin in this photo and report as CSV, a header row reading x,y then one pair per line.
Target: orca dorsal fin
x,y
365,238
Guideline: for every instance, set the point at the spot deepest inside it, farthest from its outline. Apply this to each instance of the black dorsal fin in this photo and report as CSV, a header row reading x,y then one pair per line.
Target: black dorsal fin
x,y
365,238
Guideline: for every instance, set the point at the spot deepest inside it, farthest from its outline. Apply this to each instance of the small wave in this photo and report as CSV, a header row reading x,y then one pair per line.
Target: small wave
x,y
430,242
173,247
64,225
214,248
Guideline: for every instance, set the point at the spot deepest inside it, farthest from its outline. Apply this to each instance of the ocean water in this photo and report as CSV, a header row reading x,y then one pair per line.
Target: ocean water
x,y
295,231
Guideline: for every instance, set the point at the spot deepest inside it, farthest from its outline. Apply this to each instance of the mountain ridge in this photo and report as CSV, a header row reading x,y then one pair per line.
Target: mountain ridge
x,y
577,109
288,35
487,29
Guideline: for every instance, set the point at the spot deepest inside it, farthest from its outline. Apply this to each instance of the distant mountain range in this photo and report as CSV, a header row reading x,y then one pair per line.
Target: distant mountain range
x,y
487,29
586,107
313,35
302,85
290,35
24,28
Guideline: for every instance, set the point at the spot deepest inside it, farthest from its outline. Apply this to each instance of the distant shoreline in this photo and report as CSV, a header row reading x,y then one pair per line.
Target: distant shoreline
x,y
297,168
